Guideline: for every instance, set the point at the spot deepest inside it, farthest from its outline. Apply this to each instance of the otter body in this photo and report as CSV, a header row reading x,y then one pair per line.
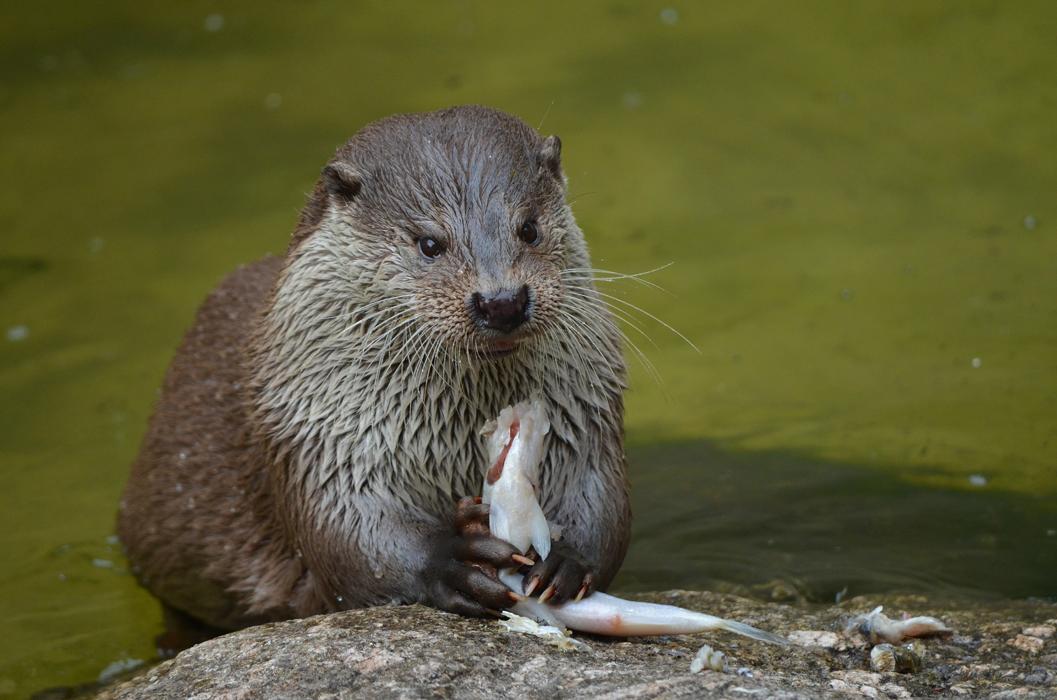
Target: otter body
x,y
322,415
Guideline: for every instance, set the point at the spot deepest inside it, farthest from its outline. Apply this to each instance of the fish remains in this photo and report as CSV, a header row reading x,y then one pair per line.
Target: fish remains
x,y
515,451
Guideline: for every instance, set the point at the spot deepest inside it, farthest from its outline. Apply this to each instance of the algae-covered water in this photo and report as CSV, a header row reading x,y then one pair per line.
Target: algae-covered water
x,y
858,199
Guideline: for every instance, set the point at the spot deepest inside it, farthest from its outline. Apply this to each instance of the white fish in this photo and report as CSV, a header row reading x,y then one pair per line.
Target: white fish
x,y
875,626
515,450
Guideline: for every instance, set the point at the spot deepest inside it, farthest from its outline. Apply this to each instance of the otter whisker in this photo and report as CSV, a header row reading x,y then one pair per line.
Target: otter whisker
x,y
387,299
580,196
577,342
581,343
599,300
450,363
612,275
415,344
652,270
648,314
384,331
429,351
352,309
431,354
412,353
380,313
377,305
432,347
466,347
647,364
588,369
622,317
563,336
370,328
381,344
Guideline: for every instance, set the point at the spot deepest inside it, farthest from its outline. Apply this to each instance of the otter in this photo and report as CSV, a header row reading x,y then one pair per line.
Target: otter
x,y
321,418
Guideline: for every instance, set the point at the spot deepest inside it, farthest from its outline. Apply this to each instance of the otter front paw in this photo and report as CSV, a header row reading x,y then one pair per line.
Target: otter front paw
x,y
562,576
462,573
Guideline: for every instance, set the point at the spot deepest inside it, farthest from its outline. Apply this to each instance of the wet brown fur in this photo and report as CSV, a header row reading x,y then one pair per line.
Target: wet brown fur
x,y
287,472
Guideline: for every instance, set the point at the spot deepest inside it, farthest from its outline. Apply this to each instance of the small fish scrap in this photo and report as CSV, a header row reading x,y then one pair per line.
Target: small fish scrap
x,y
709,658
876,627
548,633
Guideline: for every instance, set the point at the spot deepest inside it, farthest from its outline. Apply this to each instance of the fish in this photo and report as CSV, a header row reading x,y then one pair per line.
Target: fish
x,y
515,449
515,443
875,626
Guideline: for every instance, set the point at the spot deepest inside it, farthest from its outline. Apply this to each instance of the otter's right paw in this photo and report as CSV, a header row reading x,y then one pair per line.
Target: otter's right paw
x,y
462,575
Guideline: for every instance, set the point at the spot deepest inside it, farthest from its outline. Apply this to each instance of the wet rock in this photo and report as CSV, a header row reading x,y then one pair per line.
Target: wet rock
x,y
414,651
1040,631
887,658
858,678
1032,645
893,690
816,638
1041,676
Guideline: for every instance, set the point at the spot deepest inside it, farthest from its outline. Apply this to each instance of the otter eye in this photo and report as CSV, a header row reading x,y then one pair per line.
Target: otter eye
x,y
529,232
430,247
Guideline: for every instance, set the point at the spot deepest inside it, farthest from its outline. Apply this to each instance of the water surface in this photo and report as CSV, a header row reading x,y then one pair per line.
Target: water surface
x,y
859,201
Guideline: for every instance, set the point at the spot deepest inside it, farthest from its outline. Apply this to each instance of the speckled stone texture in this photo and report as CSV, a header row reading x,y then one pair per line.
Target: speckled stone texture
x,y
416,652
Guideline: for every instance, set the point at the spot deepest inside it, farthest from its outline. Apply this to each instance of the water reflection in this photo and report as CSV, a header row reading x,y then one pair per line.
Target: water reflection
x,y
787,526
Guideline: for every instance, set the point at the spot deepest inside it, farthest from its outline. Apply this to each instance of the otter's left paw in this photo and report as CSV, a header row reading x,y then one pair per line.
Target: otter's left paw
x,y
562,576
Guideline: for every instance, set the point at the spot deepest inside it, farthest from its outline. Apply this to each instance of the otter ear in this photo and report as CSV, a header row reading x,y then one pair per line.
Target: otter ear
x,y
342,181
551,157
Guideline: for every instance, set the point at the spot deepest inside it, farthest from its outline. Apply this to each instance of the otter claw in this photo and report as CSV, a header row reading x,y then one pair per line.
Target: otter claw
x,y
547,594
532,585
522,559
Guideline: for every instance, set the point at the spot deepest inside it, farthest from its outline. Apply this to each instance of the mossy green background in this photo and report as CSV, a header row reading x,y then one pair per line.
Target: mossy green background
x,y
858,198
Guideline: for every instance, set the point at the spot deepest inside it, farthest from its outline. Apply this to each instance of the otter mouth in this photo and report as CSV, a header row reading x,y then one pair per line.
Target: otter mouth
x,y
499,347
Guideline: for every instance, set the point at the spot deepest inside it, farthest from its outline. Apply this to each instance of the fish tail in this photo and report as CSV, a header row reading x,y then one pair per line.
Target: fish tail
x,y
750,631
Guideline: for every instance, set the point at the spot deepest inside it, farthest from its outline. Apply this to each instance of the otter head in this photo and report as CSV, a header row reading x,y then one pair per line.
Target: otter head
x,y
459,219
436,276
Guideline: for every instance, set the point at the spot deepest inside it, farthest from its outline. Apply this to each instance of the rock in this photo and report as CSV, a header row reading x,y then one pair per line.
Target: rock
x,y
1040,631
857,677
1041,676
901,659
815,638
1032,645
413,651
840,686
894,690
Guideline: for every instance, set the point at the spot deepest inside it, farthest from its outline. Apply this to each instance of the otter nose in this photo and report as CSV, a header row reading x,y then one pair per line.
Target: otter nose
x,y
502,311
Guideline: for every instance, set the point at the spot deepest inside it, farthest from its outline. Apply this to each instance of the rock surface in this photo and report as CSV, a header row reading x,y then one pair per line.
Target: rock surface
x,y
416,652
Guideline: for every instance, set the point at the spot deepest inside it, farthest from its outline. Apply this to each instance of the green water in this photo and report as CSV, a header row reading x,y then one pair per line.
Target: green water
x,y
859,200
